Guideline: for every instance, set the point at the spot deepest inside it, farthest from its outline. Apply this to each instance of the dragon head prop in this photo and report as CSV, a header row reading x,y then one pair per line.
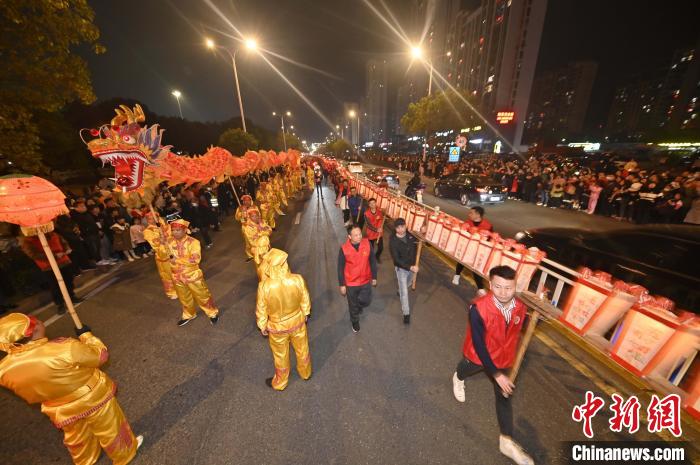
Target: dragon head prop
x,y
127,145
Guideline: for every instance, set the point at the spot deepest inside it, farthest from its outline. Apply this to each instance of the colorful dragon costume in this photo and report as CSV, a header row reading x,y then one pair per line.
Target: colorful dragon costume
x,y
141,162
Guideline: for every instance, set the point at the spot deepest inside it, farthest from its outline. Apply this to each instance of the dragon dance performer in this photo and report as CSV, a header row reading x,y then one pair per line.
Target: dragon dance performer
x,y
283,307
278,189
267,209
64,376
310,178
254,231
158,238
188,276
242,217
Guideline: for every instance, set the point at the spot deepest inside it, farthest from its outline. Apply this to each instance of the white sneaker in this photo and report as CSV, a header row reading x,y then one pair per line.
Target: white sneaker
x,y
137,257
512,450
104,262
130,259
455,280
458,388
139,441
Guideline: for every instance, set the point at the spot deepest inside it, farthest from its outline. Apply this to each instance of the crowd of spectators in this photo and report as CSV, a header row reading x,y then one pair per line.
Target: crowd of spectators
x,y
618,189
102,229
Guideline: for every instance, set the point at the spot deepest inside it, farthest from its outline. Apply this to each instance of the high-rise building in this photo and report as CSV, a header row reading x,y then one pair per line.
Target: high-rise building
x,y
376,100
559,101
664,101
491,52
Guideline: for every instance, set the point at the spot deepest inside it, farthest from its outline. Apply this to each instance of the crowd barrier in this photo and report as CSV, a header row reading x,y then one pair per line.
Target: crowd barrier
x,y
643,334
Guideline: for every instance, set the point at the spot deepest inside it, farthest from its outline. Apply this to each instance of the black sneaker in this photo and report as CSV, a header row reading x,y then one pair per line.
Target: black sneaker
x,y
213,320
61,310
77,300
185,321
356,327
406,319
248,259
268,381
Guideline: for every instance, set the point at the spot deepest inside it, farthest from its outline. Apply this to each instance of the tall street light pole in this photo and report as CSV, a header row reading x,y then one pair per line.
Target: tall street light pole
x,y
284,138
353,114
177,94
250,44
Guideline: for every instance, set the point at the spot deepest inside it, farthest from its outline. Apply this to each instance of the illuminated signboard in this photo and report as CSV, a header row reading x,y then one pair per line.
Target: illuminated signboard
x,y
586,146
454,155
505,117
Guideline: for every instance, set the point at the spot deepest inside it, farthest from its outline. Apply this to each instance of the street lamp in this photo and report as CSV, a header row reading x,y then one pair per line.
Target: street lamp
x,y
250,44
284,138
353,114
177,94
417,54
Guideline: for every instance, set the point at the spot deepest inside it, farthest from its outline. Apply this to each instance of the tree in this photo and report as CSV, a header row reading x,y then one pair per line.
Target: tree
x,y
439,112
237,141
337,148
39,71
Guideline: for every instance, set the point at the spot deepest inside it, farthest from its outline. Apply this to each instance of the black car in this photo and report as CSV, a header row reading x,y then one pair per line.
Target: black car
x,y
470,188
661,257
377,174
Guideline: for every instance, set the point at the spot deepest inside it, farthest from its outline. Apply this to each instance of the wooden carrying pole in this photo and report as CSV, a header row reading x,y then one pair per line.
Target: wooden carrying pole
x,y
415,275
524,343
59,278
234,191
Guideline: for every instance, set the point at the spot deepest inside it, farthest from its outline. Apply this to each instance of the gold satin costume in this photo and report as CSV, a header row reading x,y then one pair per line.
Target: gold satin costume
x,y
310,178
283,304
278,187
258,236
272,198
79,398
189,279
267,210
153,236
242,217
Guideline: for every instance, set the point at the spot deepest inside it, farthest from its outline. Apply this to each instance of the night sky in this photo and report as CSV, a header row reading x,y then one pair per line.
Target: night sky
x,y
155,46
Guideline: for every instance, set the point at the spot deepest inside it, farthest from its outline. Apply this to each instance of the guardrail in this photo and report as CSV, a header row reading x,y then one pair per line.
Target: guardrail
x,y
661,352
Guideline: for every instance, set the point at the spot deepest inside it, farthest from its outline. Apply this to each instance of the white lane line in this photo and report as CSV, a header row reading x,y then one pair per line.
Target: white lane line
x,y
100,288
298,218
53,319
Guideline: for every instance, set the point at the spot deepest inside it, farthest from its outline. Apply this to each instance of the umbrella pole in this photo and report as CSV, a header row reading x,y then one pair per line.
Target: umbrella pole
x,y
520,355
415,275
59,278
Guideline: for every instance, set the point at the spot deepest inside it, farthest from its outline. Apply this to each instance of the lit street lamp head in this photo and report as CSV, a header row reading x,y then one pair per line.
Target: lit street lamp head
x,y
352,114
210,43
289,113
176,93
416,52
251,44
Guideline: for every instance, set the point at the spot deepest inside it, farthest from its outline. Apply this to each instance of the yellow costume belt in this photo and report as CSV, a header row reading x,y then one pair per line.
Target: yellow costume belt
x,y
78,393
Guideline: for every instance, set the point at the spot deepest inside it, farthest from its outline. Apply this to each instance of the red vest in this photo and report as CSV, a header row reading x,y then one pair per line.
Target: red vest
x,y
375,220
357,269
501,342
38,254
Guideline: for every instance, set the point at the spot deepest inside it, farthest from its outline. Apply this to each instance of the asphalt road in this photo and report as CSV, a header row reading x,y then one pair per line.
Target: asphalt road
x,y
381,396
512,216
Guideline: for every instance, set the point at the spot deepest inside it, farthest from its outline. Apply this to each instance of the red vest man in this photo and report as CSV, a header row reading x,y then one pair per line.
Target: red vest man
x,y
374,227
495,321
357,273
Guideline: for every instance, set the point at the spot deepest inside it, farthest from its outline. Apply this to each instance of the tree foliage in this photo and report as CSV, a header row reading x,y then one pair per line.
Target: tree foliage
x,y
293,142
237,141
39,70
337,148
439,112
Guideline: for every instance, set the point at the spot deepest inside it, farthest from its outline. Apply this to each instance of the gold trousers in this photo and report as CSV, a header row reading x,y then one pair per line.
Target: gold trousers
x,y
268,214
279,345
197,293
166,276
248,249
105,429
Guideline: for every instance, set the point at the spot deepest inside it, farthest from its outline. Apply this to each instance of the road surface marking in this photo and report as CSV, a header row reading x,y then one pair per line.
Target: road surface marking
x,y
52,320
298,218
100,288
87,284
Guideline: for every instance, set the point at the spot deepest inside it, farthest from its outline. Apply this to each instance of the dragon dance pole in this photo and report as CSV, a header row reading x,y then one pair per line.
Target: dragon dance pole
x,y
59,278
234,191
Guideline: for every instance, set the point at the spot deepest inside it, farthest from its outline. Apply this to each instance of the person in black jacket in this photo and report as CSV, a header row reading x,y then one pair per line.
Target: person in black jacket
x,y
89,230
403,251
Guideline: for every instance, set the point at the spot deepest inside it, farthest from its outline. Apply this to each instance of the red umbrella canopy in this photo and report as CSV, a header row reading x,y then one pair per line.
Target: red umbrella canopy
x,y
30,201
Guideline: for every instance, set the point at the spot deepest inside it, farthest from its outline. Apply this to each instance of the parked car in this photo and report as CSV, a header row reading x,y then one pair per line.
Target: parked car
x,y
377,174
470,188
658,257
355,167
